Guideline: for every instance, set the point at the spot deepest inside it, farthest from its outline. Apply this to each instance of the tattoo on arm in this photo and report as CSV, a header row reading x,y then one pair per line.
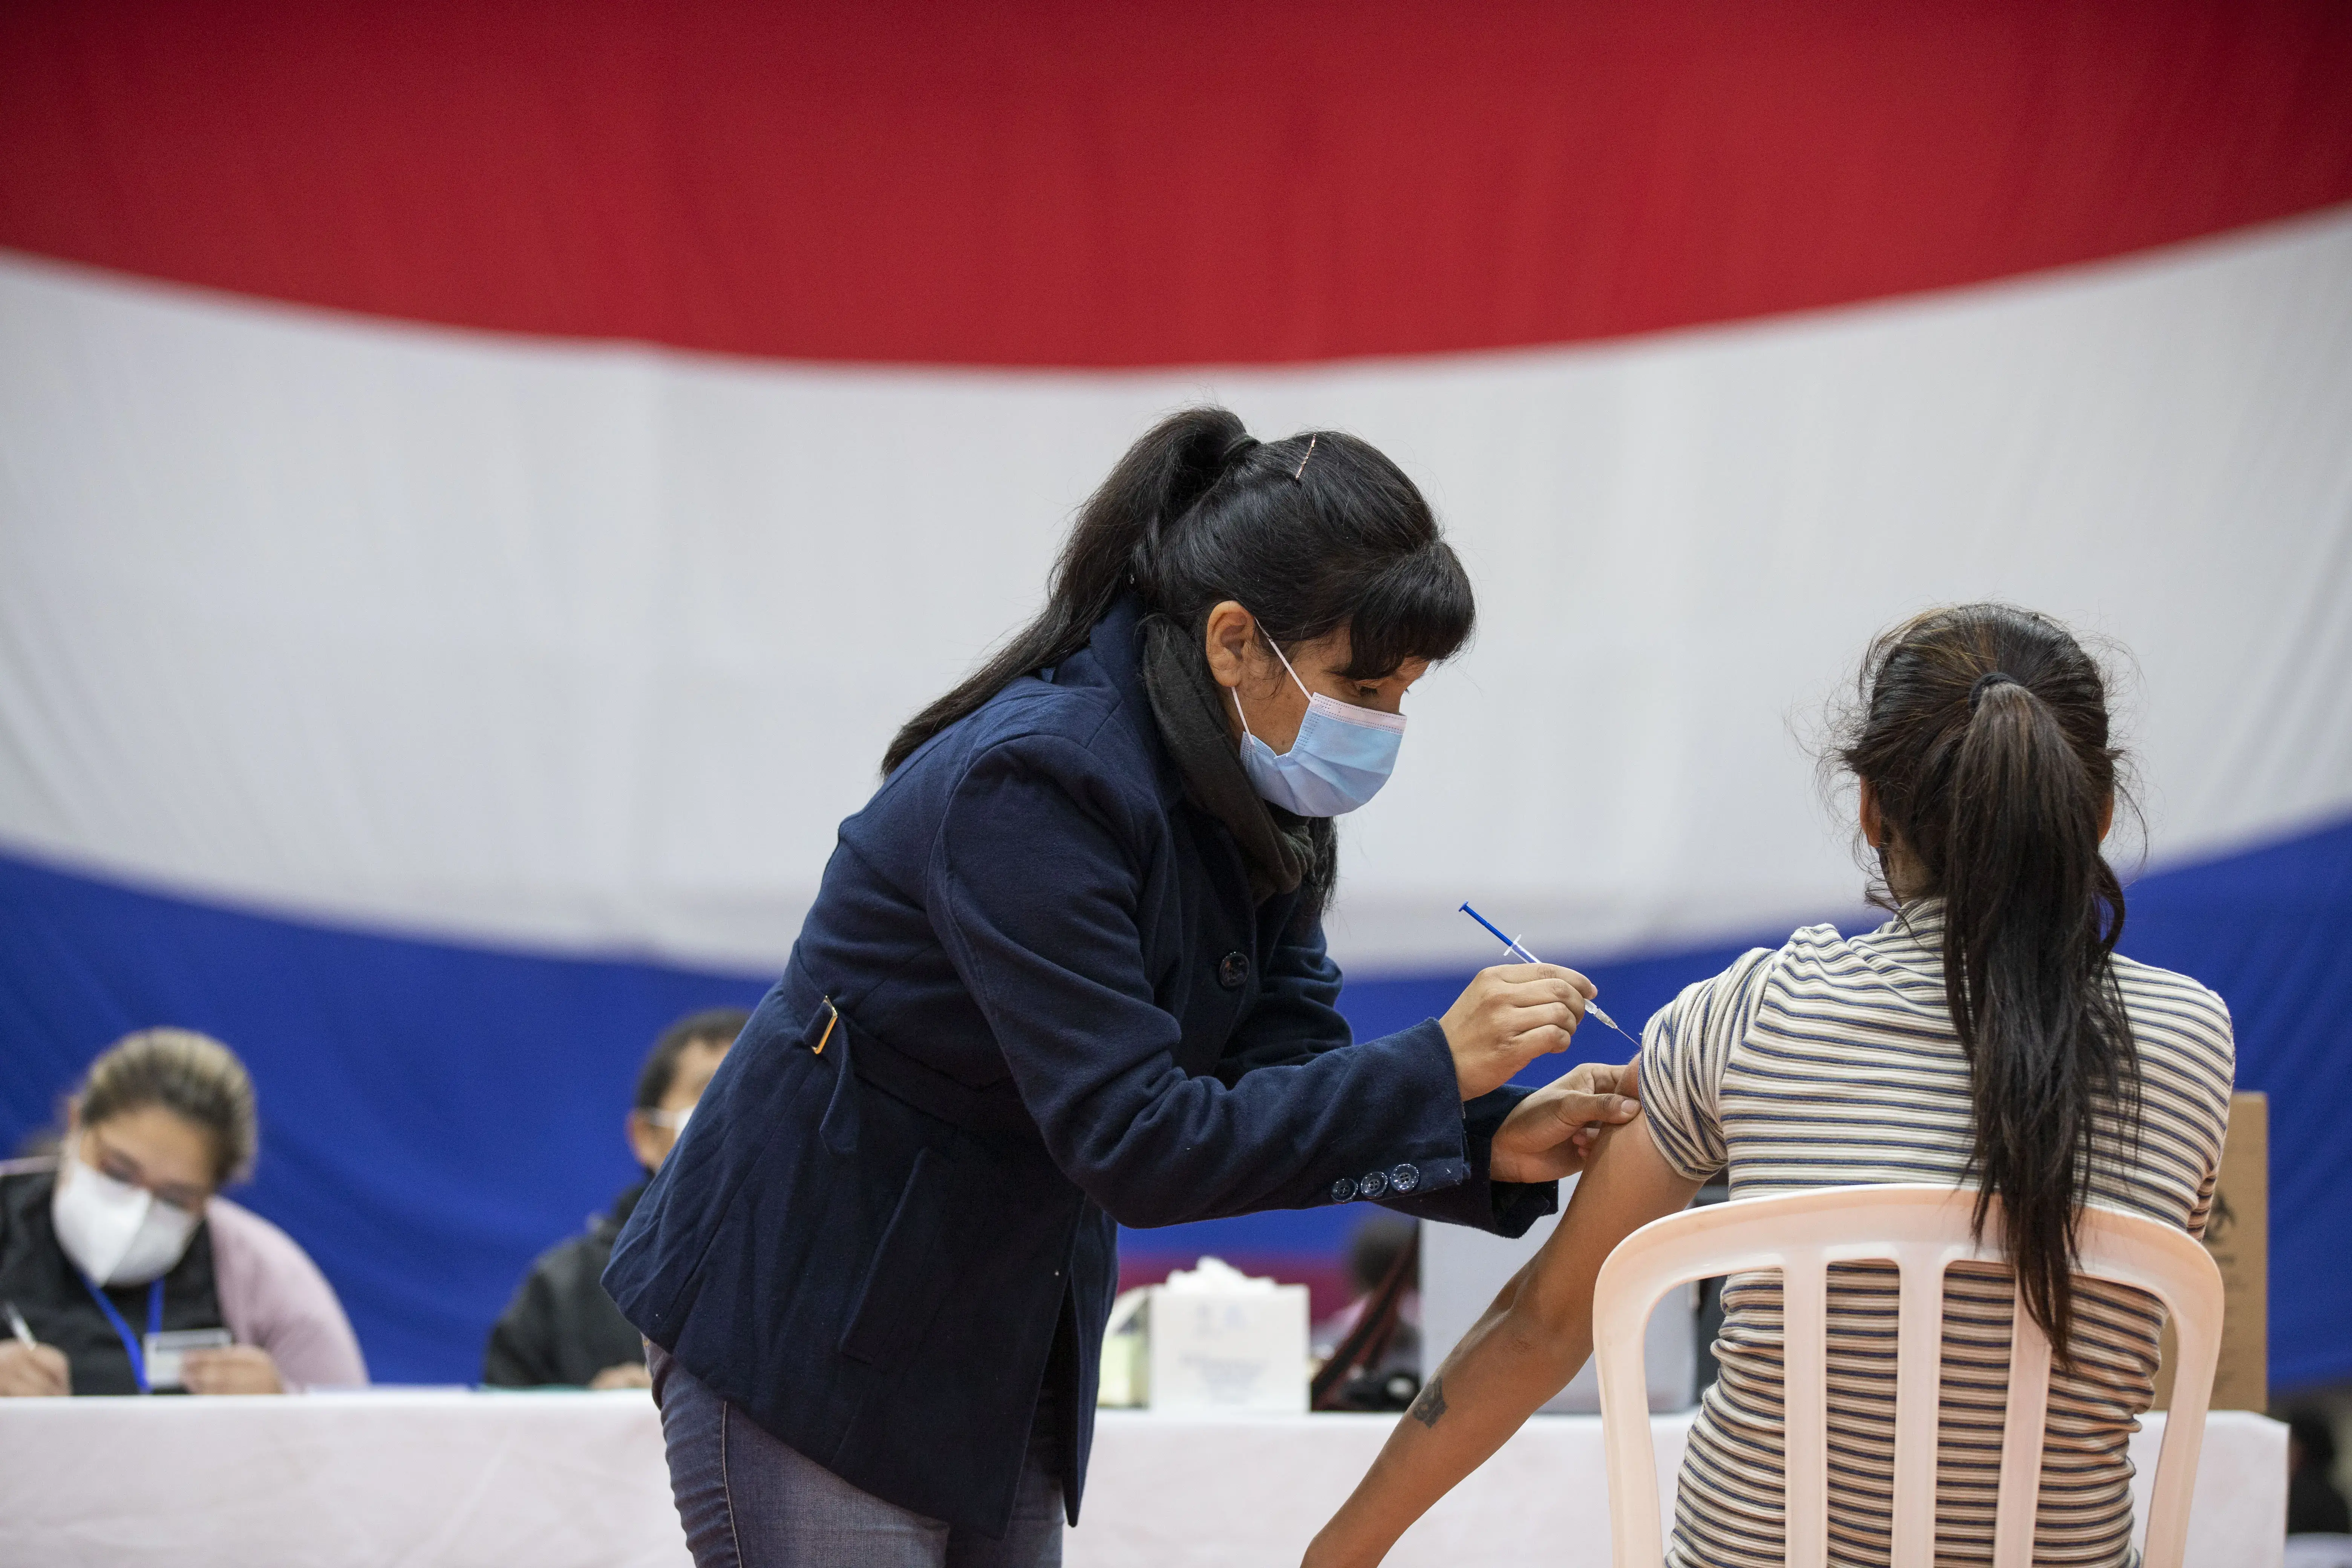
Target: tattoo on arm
x,y
1431,1405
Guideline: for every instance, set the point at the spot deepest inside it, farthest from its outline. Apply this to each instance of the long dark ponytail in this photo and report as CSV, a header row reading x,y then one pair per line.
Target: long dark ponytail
x,y
1983,732
1197,512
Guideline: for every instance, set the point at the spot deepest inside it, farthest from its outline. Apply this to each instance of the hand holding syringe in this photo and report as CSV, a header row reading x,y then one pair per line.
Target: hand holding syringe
x,y
1512,943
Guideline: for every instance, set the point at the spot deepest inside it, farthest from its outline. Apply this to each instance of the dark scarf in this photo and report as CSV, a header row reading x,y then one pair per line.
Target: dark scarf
x,y
1282,851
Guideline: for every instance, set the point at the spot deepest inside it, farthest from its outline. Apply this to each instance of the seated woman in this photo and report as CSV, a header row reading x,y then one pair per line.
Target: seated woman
x,y
1988,1036
122,1237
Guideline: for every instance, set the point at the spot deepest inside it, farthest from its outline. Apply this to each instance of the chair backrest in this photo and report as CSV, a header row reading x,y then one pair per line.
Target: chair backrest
x,y
1923,1230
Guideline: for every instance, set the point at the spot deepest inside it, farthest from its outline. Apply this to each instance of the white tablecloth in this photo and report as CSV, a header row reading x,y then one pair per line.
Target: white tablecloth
x,y
453,1478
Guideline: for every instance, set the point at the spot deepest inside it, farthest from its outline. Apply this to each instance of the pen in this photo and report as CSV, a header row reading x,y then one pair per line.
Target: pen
x,y
17,1326
1512,943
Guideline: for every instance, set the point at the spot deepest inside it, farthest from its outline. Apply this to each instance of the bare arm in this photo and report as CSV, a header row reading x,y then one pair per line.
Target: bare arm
x,y
1523,1351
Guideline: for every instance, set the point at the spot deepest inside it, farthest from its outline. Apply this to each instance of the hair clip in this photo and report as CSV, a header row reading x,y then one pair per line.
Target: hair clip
x,y
1302,462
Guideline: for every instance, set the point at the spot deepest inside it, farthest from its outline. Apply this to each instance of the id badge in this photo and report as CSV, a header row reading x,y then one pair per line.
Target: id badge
x,y
166,1350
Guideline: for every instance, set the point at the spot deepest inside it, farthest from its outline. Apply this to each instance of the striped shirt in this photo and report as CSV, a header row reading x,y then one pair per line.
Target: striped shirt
x,y
1832,1061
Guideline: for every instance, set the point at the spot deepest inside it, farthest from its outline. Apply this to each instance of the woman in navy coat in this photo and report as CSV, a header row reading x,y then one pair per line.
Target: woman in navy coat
x,y
1066,969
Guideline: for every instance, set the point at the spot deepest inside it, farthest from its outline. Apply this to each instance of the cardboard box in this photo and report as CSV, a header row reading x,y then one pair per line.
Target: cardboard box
x,y
2238,1234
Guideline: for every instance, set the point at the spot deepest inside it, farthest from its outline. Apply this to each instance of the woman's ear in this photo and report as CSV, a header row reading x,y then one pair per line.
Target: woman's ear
x,y
1230,632
1874,821
2106,817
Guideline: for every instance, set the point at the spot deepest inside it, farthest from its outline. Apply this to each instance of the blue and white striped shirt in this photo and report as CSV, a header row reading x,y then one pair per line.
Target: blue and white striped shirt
x,y
1832,1061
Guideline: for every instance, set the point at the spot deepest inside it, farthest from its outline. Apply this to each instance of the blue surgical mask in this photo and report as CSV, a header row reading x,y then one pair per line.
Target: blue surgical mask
x,y
1342,756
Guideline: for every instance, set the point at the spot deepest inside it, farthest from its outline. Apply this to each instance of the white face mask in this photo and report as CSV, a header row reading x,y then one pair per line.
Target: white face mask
x,y
116,1232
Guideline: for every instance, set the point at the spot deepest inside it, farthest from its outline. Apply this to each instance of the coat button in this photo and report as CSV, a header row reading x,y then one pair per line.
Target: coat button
x,y
1372,1184
1232,970
1343,1190
1405,1178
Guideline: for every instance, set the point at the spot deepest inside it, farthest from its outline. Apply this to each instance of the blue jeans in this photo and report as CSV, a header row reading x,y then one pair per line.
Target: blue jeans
x,y
749,1501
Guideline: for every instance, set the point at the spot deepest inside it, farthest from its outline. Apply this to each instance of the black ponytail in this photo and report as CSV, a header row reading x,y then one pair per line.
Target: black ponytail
x,y
1197,512
1983,732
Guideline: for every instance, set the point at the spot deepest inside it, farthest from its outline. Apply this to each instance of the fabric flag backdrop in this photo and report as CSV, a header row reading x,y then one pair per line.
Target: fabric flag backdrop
x,y
479,486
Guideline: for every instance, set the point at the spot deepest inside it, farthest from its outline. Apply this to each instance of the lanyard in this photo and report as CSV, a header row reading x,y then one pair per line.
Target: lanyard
x,y
129,1342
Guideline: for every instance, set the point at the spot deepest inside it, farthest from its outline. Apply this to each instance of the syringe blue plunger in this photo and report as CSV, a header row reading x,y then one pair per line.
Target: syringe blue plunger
x,y
1512,944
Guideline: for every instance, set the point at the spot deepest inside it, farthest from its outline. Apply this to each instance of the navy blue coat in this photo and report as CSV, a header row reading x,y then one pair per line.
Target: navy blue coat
x,y
1058,1008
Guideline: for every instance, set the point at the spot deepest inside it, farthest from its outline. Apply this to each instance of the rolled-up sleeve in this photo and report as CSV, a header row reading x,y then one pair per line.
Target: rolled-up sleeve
x,y
1685,1051
1034,886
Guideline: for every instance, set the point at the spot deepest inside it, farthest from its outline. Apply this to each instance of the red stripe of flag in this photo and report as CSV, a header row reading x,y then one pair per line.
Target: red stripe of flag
x,y
1069,184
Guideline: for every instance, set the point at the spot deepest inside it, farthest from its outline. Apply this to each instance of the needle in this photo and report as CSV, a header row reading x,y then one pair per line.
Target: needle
x,y
1512,943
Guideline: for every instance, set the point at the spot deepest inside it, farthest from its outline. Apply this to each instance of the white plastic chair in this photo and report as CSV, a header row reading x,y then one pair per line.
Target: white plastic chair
x,y
1923,1230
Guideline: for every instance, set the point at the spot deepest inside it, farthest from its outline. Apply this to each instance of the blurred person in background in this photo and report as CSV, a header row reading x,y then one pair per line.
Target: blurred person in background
x,y
124,1235
1374,1247
2313,1506
1367,1354
562,1329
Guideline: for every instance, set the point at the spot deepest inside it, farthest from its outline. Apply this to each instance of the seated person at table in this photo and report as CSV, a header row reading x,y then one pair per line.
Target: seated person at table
x,y
562,1329
123,1234
1987,1037
1375,1244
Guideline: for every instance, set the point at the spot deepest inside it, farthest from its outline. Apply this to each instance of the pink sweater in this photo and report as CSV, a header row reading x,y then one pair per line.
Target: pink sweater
x,y
273,1296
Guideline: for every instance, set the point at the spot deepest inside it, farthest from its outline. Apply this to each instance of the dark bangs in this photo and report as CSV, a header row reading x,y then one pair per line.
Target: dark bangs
x,y
1421,607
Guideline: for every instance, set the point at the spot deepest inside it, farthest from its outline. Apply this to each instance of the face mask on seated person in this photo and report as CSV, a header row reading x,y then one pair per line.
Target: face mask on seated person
x,y
116,1232
1342,756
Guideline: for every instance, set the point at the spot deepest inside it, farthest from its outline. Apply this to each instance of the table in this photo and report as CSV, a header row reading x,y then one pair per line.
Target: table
x,y
452,1478
1541,1501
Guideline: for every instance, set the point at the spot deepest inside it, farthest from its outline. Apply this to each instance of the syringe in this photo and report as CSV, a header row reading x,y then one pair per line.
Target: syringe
x,y
1512,943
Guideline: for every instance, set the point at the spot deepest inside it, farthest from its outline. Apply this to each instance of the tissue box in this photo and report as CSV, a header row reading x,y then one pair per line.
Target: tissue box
x,y
1212,1338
